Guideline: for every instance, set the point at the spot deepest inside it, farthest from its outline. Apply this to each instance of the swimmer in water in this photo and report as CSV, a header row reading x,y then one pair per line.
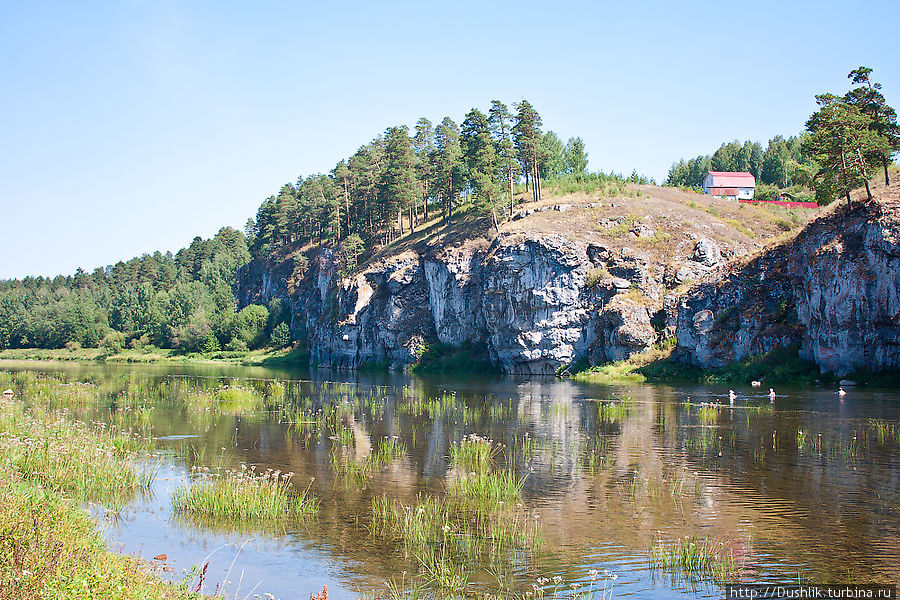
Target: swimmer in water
x,y
731,396
771,395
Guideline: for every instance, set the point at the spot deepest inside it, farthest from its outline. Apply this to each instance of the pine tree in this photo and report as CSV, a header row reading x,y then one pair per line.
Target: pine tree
x,y
481,162
869,99
423,147
841,138
500,122
399,187
448,165
527,132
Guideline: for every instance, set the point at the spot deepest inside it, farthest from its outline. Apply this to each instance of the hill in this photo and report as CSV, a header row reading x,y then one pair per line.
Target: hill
x,y
590,275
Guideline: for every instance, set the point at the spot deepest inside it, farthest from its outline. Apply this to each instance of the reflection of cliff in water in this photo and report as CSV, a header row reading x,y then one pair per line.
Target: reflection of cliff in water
x,y
600,470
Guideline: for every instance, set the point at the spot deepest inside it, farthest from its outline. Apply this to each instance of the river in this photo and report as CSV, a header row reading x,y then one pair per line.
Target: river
x,y
806,488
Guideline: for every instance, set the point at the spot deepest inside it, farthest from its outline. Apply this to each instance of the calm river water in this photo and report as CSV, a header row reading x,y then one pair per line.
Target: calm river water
x,y
807,488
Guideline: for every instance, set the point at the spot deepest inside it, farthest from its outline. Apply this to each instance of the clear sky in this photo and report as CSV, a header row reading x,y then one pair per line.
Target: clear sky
x,y
128,127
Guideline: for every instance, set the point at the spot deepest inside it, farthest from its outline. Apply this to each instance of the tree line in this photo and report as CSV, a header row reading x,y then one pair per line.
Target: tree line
x,y
182,301
388,187
843,145
782,163
404,178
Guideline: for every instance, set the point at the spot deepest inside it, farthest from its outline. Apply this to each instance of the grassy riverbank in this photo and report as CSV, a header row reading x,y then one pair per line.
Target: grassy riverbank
x,y
783,366
153,355
49,546
658,365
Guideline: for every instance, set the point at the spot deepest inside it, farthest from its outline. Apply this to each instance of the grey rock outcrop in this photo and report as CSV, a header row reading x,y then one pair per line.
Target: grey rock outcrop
x,y
535,303
833,293
523,299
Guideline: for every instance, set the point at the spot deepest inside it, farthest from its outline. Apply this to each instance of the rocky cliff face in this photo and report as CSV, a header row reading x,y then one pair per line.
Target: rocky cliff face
x,y
538,302
534,303
833,293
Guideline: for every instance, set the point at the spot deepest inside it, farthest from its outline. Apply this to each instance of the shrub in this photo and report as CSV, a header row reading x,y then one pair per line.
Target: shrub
x,y
281,335
113,342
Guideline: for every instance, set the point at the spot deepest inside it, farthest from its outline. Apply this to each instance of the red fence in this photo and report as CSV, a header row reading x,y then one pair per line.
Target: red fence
x,y
784,203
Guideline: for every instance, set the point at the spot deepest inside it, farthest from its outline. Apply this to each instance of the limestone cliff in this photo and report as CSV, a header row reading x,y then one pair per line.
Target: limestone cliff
x,y
605,281
833,292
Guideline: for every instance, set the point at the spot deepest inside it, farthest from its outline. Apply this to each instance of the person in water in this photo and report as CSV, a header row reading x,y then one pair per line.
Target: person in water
x,y
731,396
771,395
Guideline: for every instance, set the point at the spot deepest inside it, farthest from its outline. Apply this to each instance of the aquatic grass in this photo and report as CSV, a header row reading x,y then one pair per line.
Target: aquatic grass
x,y
614,410
244,494
463,530
473,453
709,413
491,487
231,399
59,394
72,458
358,469
442,571
574,591
694,558
707,439
885,431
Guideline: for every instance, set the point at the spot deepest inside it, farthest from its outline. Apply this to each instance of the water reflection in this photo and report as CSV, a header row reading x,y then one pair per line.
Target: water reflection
x,y
806,488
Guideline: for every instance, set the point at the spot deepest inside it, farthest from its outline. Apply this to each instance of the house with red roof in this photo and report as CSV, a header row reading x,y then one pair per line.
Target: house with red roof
x,y
736,186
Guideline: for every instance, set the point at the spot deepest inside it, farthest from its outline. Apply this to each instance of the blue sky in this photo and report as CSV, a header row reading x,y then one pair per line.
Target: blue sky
x,y
129,127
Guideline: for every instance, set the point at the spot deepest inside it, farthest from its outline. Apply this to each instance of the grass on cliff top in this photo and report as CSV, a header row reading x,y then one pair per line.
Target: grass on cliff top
x,y
658,365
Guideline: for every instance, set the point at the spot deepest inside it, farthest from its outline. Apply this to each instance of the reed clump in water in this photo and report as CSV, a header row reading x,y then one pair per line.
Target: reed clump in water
x,y
443,535
244,494
885,431
346,464
695,557
475,480
473,453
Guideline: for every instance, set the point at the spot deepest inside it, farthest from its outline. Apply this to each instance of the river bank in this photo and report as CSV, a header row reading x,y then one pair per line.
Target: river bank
x,y
151,355
51,547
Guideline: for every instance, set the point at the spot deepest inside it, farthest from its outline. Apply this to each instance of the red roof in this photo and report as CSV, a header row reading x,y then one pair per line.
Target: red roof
x,y
726,179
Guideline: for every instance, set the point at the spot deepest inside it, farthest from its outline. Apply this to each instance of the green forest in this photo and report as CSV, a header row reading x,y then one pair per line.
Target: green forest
x,y
394,185
843,145
387,188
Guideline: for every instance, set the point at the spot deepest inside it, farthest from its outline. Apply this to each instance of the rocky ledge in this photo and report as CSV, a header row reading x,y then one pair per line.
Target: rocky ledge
x,y
833,293
535,303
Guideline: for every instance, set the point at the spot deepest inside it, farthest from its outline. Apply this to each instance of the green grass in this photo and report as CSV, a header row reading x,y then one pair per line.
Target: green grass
x,y
50,550
231,399
657,365
709,413
150,354
244,495
885,430
695,558
474,453
486,487
431,523
71,458
439,358
359,469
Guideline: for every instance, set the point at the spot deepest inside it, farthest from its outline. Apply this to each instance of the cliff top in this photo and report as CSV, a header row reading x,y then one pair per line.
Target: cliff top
x,y
658,223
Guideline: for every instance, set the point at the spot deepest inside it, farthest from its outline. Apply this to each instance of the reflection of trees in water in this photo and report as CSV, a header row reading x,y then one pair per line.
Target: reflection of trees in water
x,y
600,468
